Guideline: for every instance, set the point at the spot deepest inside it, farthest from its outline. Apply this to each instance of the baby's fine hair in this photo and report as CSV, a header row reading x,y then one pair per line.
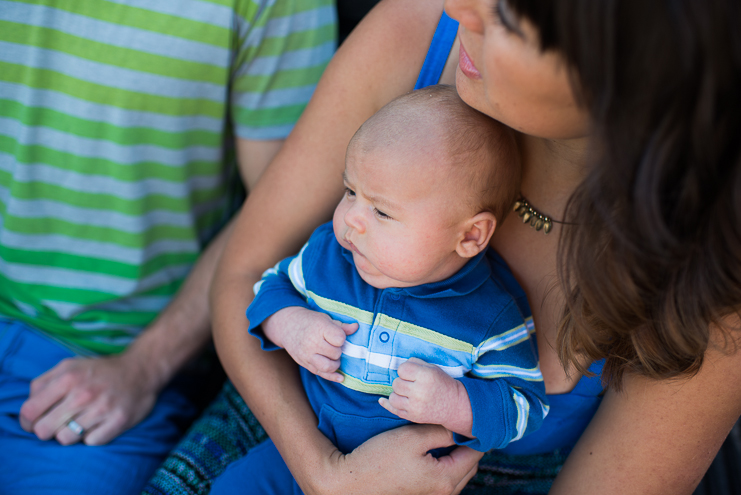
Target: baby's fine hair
x,y
478,146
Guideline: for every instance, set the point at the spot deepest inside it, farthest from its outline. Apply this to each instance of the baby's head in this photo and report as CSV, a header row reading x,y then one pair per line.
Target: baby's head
x,y
427,180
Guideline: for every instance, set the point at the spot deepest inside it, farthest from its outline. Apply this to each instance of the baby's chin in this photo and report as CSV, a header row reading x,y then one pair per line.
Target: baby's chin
x,y
375,278
379,280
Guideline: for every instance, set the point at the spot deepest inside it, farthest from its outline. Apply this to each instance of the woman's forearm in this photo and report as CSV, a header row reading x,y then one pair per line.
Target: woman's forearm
x,y
269,228
269,382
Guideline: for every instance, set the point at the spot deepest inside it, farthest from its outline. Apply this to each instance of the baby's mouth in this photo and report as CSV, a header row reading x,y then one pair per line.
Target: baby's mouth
x,y
352,247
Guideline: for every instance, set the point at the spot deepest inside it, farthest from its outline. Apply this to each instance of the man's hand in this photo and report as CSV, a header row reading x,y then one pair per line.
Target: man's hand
x,y
313,339
106,396
423,393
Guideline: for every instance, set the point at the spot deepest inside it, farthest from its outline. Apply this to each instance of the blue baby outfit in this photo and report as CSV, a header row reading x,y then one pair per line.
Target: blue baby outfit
x,y
468,325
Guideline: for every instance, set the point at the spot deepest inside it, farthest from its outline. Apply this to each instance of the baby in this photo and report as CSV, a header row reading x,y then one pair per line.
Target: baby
x,y
395,310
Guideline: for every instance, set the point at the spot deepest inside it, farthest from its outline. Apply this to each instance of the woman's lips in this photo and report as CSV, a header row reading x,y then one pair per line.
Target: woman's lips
x,y
467,67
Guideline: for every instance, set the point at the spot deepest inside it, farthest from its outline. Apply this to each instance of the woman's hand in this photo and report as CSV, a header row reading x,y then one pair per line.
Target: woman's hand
x,y
396,462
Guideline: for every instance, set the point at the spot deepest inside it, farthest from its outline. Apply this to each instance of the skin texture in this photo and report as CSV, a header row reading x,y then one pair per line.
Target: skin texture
x,y
109,395
654,437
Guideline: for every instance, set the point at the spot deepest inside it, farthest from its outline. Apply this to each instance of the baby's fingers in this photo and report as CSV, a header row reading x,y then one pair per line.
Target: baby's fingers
x,y
332,377
322,364
403,387
350,328
390,407
334,334
333,353
411,369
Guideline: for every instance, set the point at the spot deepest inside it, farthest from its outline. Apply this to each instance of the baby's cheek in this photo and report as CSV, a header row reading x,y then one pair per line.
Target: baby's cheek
x,y
400,264
338,222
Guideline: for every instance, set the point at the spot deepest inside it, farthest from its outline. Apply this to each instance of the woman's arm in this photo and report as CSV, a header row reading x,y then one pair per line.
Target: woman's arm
x,y
657,437
378,62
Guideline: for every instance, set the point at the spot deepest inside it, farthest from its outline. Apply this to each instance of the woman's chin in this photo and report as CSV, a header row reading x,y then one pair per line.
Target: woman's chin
x,y
464,87
472,93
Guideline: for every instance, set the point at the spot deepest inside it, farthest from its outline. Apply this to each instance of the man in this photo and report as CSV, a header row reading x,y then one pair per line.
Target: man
x,y
117,177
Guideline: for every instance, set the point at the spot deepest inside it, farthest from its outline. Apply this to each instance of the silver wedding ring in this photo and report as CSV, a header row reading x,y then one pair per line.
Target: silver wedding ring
x,y
76,427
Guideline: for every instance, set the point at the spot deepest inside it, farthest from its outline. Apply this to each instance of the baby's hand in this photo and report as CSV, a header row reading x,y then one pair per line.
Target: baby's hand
x,y
313,339
423,393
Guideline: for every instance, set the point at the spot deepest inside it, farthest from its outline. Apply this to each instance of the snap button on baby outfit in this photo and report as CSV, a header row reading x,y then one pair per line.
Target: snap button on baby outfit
x,y
384,337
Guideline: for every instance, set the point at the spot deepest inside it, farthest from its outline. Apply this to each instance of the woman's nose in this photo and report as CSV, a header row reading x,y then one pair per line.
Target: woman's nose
x,y
468,13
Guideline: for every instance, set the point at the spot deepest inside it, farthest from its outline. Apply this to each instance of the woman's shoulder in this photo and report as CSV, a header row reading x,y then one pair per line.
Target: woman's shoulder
x,y
391,42
401,19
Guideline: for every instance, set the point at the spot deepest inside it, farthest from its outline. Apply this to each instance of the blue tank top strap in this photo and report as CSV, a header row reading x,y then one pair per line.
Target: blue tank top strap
x,y
438,53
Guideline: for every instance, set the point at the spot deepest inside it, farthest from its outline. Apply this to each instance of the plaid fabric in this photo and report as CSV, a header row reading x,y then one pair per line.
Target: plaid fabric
x,y
501,474
227,430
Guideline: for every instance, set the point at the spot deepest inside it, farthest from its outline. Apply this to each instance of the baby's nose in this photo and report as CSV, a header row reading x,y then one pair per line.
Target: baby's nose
x,y
354,219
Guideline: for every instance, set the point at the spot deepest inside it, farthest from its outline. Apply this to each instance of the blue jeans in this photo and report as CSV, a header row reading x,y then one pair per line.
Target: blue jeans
x,y
32,466
262,471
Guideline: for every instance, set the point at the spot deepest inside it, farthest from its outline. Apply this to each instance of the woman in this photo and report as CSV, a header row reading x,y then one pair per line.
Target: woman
x,y
636,167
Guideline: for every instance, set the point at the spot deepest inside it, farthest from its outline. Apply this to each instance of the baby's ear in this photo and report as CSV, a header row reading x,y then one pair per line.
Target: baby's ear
x,y
479,229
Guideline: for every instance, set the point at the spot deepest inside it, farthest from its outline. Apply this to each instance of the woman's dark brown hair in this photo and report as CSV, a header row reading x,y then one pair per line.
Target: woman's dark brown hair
x,y
655,258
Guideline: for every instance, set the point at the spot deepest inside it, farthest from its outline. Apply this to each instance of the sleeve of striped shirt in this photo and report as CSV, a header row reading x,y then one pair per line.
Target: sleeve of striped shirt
x,y
281,50
280,287
505,386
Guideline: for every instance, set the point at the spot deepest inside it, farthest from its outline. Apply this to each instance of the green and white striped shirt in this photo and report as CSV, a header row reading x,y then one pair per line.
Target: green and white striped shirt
x,y
116,157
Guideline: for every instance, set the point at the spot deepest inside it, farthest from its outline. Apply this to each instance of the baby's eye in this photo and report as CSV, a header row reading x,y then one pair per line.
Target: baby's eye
x,y
381,214
349,192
